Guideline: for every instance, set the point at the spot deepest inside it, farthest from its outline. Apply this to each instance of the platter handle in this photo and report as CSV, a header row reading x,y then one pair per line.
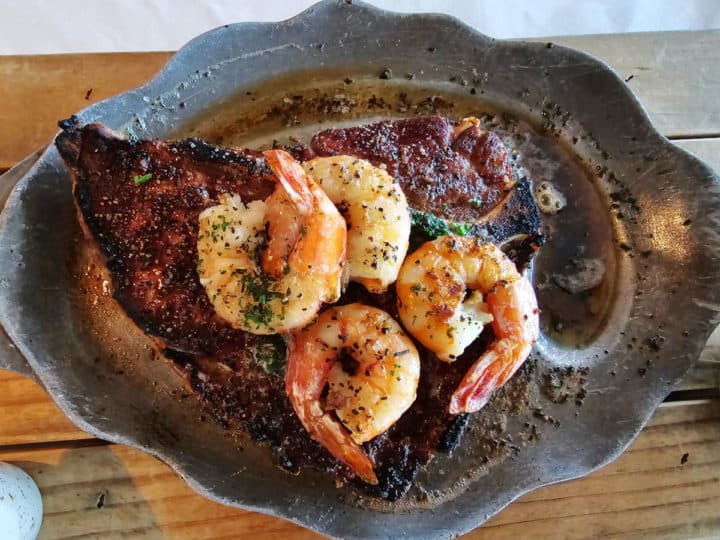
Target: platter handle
x,y
10,357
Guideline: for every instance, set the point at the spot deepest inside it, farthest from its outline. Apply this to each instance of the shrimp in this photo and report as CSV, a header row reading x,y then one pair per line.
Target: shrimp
x,y
448,289
283,287
371,369
377,214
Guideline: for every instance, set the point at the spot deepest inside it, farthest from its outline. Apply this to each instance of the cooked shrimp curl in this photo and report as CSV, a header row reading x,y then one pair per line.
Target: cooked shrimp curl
x,y
371,369
377,214
448,289
278,287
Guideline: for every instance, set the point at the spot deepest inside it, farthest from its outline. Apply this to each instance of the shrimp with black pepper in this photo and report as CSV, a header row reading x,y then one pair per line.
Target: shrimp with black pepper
x,y
275,282
371,370
448,290
377,215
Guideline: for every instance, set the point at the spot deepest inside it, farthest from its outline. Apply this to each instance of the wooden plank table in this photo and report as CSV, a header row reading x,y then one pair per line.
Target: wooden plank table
x,y
667,484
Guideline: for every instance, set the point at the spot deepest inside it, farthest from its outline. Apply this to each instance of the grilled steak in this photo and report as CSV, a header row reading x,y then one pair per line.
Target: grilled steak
x,y
139,201
463,178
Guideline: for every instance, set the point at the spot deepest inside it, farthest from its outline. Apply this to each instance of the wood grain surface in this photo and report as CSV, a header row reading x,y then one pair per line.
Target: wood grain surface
x,y
666,485
37,91
28,416
668,71
678,94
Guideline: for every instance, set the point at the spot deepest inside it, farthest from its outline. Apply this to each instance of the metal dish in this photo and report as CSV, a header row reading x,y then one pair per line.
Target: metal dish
x,y
658,208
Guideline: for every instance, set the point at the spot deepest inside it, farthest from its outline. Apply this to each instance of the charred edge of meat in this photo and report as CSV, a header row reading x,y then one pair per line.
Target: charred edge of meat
x,y
73,137
181,358
522,250
184,363
69,123
454,433
203,151
69,140
514,224
519,215
395,476
69,143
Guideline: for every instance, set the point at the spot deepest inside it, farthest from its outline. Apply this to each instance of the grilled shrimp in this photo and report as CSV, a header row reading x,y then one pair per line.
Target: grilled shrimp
x,y
372,370
448,289
283,286
376,211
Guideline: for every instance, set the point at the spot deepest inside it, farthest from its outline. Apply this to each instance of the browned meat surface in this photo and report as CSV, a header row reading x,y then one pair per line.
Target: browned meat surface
x,y
148,231
460,178
146,227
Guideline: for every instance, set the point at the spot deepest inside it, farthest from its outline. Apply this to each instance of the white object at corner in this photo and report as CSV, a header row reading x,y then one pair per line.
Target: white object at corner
x,y
21,509
39,26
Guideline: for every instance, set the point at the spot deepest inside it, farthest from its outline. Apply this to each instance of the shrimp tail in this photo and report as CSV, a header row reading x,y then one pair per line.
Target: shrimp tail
x,y
327,431
302,382
291,177
516,326
487,374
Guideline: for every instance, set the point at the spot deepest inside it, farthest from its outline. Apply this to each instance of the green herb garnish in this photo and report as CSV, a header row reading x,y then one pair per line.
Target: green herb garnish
x,y
430,227
260,289
144,179
270,353
428,224
461,229
224,224
260,315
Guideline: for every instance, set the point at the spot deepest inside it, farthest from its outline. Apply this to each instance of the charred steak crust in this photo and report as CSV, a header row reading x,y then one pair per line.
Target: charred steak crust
x,y
146,228
461,178
465,179
148,232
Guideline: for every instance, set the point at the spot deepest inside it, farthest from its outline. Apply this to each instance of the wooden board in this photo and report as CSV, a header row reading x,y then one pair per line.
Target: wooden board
x,y
37,91
28,415
680,96
706,149
113,492
671,72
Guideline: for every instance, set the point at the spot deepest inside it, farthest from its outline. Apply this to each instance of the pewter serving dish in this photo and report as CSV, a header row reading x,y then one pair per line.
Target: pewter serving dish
x,y
648,210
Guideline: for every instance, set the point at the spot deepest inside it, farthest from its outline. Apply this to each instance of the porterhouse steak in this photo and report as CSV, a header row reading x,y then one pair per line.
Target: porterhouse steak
x,y
139,202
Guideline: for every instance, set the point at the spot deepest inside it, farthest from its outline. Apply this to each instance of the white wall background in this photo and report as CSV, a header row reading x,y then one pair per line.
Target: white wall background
x,y
37,27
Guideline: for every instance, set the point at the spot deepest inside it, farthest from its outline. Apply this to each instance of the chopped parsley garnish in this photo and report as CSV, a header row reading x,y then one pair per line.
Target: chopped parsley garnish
x,y
260,315
269,354
219,226
461,229
144,179
259,288
416,288
427,226
224,224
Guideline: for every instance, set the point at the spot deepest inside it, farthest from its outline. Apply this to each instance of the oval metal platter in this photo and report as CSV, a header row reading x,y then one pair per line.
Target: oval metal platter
x,y
646,210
